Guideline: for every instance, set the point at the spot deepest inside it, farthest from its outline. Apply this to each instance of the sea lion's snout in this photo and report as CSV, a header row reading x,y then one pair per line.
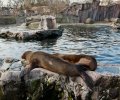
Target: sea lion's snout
x,y
24,62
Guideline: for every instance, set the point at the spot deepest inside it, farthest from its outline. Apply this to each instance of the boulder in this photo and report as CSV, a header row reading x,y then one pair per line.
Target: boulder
x,y
115,20
10,64
32,25
107,20
89,21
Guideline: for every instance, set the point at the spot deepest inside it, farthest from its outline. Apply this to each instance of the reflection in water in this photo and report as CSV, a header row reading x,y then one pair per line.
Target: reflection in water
x,y
102,42
47,43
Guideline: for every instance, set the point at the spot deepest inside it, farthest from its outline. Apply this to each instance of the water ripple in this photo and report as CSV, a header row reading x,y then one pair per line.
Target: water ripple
x,y
103,43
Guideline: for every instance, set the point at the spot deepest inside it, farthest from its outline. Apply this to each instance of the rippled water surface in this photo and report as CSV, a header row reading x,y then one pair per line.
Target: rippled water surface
x,y
102,42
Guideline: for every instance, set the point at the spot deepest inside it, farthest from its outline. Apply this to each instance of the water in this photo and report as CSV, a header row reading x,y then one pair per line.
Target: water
x,y
102,42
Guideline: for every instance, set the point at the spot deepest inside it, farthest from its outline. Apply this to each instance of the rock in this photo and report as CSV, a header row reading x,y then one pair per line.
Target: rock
x,y
46,28
42,84
7,35
98,10
45,22
1,62
53,85
9,76
114,93
107,20
33,35
10,64
32,25
89,21
108,83
115,20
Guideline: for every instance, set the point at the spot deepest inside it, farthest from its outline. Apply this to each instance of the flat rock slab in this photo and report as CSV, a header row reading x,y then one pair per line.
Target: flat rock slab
x,y
32,35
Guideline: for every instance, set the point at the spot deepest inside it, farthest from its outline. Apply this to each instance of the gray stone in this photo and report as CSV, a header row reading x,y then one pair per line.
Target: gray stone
x,y
46,85
89,21
114,92
10,64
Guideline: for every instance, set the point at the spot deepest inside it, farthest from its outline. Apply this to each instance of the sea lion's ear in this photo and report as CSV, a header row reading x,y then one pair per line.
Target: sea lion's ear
x,y
23,56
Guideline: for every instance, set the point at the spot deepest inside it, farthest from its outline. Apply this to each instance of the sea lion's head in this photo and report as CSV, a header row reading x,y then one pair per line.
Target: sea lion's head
x,y
26,57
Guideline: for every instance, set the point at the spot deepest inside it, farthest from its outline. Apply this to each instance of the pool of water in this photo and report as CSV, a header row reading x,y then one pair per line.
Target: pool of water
x,y
102,42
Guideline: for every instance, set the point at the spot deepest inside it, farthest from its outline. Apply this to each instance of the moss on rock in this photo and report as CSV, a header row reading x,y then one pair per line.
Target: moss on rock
x,y
45,90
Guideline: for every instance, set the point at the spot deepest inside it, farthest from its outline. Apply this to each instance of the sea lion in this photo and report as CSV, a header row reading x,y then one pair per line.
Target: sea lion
x,y
55,64
88,60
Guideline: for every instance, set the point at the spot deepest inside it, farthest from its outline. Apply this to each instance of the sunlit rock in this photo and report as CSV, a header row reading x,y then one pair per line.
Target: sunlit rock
x,y
89,21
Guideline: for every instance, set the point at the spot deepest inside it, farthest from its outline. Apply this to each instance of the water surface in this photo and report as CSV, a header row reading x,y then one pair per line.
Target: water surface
x,y
102,42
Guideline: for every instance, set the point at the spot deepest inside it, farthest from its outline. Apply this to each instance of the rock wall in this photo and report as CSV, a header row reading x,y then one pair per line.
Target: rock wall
x,y
44,85
103,10
100,13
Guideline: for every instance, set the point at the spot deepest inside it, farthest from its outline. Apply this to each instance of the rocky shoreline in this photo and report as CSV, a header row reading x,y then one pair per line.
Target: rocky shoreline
x,y
45,85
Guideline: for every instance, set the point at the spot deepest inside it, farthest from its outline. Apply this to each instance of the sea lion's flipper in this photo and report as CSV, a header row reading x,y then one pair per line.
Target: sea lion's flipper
x,y
82,67
86,78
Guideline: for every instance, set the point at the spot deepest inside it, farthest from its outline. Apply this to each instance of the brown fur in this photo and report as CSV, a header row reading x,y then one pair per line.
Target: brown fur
x,y
88,60
56,64
27,55
49,62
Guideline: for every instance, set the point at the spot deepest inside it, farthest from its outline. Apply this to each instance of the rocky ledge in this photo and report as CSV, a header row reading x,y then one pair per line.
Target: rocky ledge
x,y
32,35
45,85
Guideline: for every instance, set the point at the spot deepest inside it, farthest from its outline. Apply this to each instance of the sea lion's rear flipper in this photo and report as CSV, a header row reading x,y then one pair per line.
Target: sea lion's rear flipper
x,y
86,78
